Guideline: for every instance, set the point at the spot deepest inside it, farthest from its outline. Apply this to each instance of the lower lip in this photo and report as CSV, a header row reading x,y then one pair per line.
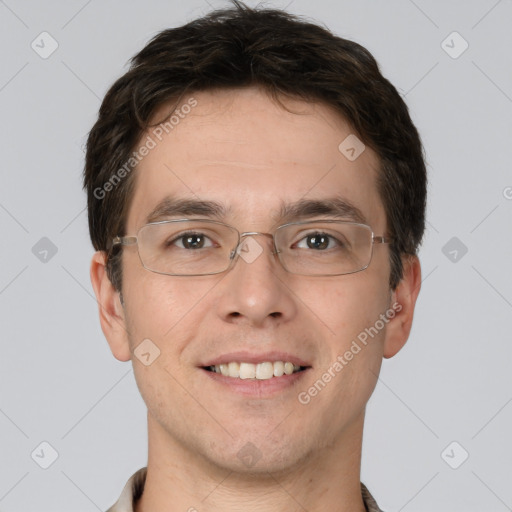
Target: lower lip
x,y
256,387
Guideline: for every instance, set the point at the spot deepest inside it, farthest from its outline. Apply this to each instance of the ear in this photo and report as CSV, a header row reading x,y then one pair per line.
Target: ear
x,y
405,294
112,315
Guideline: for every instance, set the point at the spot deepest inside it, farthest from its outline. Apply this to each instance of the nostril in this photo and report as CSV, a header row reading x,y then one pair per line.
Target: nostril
x,y
276,314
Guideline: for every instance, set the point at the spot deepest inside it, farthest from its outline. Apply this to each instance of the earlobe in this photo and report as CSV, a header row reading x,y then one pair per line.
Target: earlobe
x,y
405,295
111,311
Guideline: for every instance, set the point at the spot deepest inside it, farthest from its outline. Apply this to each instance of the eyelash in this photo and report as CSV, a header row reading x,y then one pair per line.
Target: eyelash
x,y
304,236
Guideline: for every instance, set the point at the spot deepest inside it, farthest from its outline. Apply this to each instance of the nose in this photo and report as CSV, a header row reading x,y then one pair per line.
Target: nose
x,y
255,291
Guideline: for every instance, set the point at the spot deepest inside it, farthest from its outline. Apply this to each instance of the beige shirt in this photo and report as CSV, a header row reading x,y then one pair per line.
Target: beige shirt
x,y
133,491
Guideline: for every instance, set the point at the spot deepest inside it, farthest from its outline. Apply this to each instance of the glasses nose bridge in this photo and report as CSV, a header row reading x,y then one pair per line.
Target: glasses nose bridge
x,y
252,233
255,233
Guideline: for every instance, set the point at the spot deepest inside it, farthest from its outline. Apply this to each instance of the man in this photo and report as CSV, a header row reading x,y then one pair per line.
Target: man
x,y
256,195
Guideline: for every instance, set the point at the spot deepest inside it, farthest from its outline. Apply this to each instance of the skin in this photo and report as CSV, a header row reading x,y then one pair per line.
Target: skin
x,y
310,454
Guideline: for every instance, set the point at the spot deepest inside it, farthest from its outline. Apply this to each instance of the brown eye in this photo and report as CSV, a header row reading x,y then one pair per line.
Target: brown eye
x,y
191,241
318,241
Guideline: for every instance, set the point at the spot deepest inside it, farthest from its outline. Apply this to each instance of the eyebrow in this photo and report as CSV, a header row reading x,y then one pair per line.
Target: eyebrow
x,y
171,207
336,207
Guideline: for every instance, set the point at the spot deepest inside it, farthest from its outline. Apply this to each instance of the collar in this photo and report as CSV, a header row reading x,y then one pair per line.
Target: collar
x,y
135,486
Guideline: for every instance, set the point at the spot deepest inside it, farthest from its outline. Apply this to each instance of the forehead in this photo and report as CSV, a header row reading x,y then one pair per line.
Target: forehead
x,y
244,151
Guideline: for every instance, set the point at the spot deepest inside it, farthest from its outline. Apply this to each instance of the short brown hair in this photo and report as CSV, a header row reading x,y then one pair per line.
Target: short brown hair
x,y
239,47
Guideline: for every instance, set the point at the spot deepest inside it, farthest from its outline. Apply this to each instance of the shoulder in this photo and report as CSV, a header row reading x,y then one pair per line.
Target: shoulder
x,y
369,500
131,492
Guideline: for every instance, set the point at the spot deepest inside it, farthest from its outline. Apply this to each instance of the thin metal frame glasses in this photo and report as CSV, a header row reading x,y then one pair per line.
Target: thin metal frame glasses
x,y
198,247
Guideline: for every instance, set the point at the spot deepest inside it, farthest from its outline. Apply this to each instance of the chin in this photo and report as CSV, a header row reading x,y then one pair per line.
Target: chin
x,y
259,454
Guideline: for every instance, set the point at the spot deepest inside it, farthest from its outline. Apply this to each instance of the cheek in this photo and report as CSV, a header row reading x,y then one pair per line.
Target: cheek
x,y
346,305
156,304
165,310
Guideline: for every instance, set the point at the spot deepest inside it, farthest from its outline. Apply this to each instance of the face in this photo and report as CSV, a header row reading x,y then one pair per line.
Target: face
x,y
246,153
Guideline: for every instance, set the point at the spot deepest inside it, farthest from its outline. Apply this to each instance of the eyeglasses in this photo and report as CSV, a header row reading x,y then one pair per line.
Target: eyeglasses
x,y
203,247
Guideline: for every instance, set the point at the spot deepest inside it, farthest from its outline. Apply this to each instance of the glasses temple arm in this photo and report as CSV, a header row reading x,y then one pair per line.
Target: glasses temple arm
x,y
382,239
124,240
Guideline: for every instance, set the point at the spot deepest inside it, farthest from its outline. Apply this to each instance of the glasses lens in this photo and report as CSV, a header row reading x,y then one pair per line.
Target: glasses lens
x,y
324,248
186,247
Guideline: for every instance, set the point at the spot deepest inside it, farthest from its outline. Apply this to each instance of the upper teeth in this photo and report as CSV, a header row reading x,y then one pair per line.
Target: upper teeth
x,y
261,371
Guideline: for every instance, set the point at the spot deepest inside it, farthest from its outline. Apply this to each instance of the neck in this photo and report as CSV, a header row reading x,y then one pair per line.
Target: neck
x,y
179,480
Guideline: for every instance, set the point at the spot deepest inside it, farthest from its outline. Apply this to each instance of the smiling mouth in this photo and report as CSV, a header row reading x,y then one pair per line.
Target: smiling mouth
x,y
261,371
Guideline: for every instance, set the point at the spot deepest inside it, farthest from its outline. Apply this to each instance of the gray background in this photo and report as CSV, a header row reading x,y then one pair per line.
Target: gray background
x,y
59,382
